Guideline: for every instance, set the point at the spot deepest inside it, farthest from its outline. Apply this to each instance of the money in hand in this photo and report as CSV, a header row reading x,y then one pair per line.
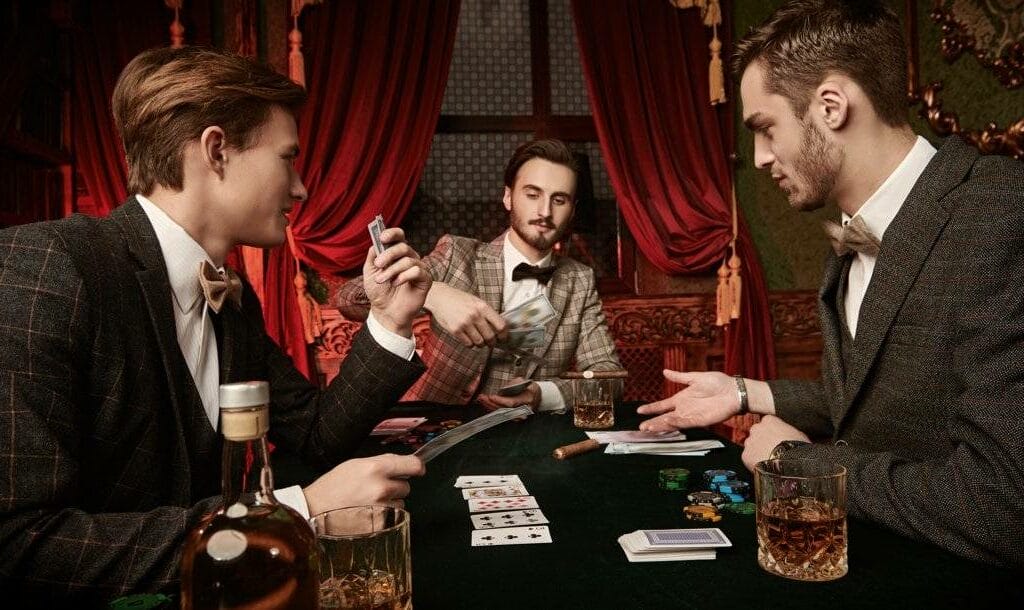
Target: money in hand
x,y
376,228
533,313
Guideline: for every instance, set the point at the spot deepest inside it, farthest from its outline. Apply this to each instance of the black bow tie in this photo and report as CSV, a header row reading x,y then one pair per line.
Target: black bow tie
x,y
524,271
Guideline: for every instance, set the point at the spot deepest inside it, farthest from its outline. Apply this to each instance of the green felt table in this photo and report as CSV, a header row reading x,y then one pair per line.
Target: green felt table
x,y
593,498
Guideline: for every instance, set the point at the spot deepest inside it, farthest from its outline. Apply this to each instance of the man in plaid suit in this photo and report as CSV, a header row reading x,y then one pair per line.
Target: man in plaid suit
x,y
474,280
921,305
109,412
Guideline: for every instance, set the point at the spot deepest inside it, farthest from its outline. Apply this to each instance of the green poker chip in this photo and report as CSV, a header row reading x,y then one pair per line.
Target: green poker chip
x,y
673,479
739,508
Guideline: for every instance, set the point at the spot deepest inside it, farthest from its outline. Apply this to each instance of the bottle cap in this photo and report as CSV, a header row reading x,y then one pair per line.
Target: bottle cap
x,y
244,395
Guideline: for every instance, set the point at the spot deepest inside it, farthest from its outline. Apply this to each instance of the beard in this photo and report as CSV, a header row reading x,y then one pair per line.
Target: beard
x,y
541,242
815,170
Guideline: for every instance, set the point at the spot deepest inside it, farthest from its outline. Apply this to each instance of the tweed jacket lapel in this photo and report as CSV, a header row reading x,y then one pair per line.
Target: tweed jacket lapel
x,y
831,325
905,247
155,286
490,273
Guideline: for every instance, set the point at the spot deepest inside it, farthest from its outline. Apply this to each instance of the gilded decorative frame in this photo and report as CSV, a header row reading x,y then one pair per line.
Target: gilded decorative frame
x,y
957,39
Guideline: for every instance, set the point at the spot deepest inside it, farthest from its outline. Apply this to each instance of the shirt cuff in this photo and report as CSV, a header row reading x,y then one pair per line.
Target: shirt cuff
x,y
551,398
292,497
398,345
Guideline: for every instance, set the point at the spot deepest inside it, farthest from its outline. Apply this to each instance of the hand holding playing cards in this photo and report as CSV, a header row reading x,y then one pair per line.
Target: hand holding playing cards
x,y
707,399
467,317
396,282
765,436
529,396
381,479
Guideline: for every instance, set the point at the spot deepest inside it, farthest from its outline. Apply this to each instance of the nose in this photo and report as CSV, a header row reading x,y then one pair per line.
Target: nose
x,y
544,209
298,190
763,157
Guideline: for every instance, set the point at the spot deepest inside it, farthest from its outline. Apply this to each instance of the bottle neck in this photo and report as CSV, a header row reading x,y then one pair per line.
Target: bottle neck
x,y
246,476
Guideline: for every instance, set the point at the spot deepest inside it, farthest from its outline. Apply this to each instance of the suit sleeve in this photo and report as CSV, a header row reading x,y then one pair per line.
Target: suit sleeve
x,y
595,350
325,427
50,549
801,403
972,502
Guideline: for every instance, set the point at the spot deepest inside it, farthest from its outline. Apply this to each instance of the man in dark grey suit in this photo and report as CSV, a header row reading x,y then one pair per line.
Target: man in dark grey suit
x,y
110,356
921,306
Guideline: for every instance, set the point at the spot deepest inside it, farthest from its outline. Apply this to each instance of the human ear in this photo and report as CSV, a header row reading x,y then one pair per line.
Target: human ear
x,y
213,146
833,103
507,199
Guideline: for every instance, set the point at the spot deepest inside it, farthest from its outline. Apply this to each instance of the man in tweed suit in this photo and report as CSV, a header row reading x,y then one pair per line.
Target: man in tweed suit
x,y
474,280
109,419
923,322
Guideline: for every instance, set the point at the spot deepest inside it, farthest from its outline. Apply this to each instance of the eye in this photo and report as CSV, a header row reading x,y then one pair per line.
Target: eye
x,y
560,200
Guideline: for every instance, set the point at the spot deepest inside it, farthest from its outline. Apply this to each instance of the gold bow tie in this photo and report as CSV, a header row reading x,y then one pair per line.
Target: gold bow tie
x,y
854,237
219,287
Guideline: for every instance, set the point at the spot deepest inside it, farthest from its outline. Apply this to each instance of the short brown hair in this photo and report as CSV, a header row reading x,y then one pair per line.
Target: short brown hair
x,y
555,151
804,40
166,97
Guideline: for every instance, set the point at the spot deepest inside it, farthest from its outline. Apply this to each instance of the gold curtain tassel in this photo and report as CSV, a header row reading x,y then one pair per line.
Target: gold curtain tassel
x,y
723,296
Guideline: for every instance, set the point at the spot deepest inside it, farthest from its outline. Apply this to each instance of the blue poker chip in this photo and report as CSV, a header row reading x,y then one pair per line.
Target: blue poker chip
x,y
735,498
715,475
732,487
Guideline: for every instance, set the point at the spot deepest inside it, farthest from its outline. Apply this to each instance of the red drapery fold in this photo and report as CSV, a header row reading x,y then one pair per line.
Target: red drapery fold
x,y
376,74
667,149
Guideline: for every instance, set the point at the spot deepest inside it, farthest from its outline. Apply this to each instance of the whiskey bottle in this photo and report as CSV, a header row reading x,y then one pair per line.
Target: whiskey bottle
x,y
252,552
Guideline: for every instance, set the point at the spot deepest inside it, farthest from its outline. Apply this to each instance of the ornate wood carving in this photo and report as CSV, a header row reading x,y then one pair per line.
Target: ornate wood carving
x,y
957,39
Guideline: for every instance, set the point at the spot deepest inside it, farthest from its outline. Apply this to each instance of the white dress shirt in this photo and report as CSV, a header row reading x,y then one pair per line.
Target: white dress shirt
x,y
182,256
514,294
878,212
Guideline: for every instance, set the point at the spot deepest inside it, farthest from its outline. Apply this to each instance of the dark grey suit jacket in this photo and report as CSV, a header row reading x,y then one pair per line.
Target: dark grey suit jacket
x,y
927,409
107,461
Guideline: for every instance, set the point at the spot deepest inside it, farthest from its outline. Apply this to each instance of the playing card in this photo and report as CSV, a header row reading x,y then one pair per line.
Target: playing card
x,y
504,491
483,505
511,518
665,555
443,442
536,534
487,480
396,425
682,539
376,228
635,436
513,390
536,311
671,448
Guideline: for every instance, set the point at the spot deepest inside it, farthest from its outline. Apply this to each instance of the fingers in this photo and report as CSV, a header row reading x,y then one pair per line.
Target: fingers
x,y
662,423
392,235
656,408
404,466
679,376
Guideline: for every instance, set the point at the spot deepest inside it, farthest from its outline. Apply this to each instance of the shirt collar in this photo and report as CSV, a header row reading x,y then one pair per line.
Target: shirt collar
x,y
883,205
512,257
182,255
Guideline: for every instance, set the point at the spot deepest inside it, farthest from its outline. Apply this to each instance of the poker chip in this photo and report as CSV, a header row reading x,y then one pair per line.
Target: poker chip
x,y
707,498
448,424
716,475
697,512
673,479
740,508
738,488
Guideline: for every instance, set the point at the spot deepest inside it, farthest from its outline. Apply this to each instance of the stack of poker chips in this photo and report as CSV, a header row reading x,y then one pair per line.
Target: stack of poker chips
x,y
722,491
673,479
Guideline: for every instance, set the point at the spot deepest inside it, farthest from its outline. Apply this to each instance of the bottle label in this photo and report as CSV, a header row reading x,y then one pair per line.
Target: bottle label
x,y
225,545
245,425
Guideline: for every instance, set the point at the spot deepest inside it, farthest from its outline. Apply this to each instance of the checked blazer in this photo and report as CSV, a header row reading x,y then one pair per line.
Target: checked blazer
x,y
925,408
107,457
455,373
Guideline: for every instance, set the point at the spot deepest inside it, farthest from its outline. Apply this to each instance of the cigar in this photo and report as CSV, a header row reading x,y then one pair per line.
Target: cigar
x,y
595,375
575,449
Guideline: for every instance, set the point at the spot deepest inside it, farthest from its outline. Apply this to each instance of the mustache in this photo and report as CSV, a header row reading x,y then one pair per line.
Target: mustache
x,y
543,223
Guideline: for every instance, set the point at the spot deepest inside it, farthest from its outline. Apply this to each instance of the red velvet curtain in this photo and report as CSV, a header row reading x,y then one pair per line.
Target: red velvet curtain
x,y
376,76
667,151
110,35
